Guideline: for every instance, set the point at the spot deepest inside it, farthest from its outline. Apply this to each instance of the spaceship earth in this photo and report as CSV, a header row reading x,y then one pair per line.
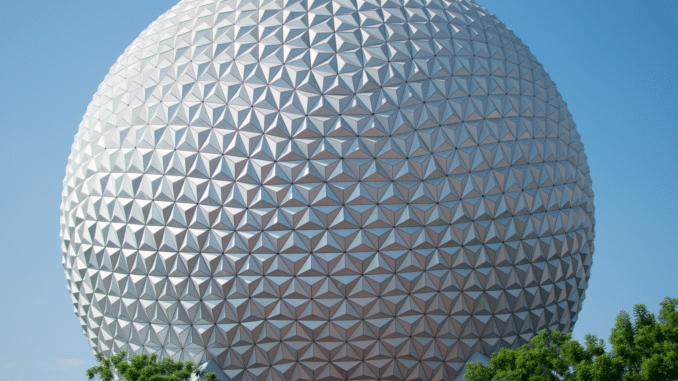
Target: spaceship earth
x,y
326,189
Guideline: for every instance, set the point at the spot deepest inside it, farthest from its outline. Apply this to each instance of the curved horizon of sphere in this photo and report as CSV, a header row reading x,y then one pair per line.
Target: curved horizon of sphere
x,y
326,190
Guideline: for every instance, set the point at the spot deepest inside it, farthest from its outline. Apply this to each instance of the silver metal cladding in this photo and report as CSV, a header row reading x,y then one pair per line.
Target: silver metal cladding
x,y
328,189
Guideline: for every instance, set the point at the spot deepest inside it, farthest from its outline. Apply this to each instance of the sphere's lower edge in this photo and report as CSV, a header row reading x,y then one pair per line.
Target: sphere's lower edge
x,y
210,366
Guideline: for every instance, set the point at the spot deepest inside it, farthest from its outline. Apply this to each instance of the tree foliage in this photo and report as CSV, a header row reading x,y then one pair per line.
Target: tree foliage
x,y
143,368
647,347
643,349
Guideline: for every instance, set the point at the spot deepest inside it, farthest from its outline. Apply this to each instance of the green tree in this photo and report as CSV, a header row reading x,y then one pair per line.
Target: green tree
x,y
645,349
144,368
648,347
550,356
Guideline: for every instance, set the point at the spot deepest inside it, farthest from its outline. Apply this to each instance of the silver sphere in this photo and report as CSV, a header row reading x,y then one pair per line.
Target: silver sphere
x,y
326,189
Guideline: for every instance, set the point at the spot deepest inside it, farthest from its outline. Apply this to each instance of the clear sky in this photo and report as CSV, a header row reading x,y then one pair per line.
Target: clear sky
x,y
614,61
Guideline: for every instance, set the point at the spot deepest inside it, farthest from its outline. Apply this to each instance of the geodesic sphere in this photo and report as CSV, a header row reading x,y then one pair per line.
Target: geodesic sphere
x,y
328,189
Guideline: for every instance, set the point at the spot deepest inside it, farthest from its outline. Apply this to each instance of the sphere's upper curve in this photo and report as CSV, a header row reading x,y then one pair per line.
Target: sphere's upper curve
x,y
326,189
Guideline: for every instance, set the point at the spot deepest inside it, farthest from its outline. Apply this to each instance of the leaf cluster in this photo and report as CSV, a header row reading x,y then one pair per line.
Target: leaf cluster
x,y
143,368
645,349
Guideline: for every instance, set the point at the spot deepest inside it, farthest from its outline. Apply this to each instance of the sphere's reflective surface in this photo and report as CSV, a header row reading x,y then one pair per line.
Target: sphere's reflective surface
x,y
326,189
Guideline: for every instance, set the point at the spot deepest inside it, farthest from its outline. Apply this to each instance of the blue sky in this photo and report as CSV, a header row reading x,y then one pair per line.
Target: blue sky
x,y
615,63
